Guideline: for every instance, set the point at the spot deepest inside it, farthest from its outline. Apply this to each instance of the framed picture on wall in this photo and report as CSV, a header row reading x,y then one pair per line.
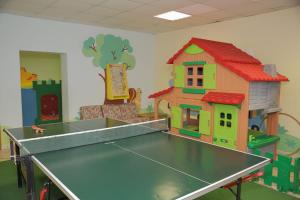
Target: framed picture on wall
x,y
116,82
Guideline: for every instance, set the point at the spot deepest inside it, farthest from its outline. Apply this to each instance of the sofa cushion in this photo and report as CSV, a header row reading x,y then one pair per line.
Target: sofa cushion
x,y
128,111
112,111
137,119
90,112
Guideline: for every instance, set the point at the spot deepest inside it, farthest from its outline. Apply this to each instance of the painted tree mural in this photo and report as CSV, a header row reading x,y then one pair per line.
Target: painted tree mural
x,y
109,49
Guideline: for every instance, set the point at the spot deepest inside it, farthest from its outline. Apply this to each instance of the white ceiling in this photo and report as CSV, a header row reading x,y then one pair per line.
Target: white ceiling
x,y
137,15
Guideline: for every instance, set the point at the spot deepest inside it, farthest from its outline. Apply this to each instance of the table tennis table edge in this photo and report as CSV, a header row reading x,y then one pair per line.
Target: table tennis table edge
x,y
14,139
85,131
189,196
224,181
201,141
55,180
11,136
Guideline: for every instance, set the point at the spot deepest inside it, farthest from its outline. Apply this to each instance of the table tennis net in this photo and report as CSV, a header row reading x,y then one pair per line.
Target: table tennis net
x,y
81,138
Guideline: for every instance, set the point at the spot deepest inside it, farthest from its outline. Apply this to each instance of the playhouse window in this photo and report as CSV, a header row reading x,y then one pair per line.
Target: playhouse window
x,y
194,76
222,115
229,116
199,71
228,124
222,123
190,82
191,119
199,82
225,119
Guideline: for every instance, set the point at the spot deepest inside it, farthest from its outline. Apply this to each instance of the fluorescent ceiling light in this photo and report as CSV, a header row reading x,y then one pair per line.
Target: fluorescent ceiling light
x,y
172,15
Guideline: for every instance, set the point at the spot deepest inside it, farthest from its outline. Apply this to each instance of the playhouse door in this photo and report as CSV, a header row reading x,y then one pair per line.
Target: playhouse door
x,y
225,125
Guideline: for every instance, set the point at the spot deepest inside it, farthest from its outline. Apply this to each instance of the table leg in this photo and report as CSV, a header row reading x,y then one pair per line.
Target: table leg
x,y
18,163
12,152
31,195
239,189
49,189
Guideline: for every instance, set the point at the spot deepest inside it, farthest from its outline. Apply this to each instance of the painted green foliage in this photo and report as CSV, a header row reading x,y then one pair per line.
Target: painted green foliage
x,y
109,49
288,142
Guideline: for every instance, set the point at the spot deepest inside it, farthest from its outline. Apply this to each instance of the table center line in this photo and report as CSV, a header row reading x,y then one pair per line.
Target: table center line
x,y
165,165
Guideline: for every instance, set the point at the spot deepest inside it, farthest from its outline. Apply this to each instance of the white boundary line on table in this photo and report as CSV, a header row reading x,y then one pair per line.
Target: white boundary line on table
x,y
160,163
89,131
221,147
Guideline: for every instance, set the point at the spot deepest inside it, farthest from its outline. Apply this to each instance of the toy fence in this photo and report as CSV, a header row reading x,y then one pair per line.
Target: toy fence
x,y
283,172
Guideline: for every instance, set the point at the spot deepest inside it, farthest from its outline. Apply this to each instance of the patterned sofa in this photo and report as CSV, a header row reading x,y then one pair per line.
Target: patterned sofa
x,y
90,112
124,112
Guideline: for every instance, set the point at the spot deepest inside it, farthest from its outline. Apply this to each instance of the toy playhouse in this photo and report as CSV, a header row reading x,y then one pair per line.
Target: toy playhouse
x,y
222,95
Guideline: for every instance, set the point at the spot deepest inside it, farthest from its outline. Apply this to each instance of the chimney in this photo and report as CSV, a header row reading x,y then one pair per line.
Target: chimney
x,y
270,69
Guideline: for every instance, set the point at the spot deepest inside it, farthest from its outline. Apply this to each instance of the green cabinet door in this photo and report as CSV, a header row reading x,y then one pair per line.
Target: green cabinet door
x,y
179,76
204,122
176,114
225,125
209,76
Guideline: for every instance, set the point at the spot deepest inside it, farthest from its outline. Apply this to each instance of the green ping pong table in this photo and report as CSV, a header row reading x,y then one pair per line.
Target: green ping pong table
x,y
111,160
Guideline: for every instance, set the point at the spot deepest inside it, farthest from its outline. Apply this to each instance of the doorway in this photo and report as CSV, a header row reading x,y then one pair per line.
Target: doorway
x,y
225,125
41,88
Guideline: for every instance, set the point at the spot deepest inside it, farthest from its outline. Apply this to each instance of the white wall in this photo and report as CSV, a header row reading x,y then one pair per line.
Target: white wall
x,y
85,87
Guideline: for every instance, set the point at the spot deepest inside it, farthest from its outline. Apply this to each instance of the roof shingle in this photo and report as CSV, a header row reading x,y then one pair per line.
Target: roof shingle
x,y
233,59
224,98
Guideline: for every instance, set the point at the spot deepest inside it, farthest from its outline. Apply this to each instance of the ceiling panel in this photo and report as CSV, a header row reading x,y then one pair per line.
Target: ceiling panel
x,y
56,13
225,4
71,5
137,15
101,11
279,4
148,10
85,17
39,3
120,5
197,9
171,4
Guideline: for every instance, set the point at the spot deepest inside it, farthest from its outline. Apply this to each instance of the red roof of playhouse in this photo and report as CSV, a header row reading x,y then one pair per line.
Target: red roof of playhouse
x,y
157,94
224,98
232,58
